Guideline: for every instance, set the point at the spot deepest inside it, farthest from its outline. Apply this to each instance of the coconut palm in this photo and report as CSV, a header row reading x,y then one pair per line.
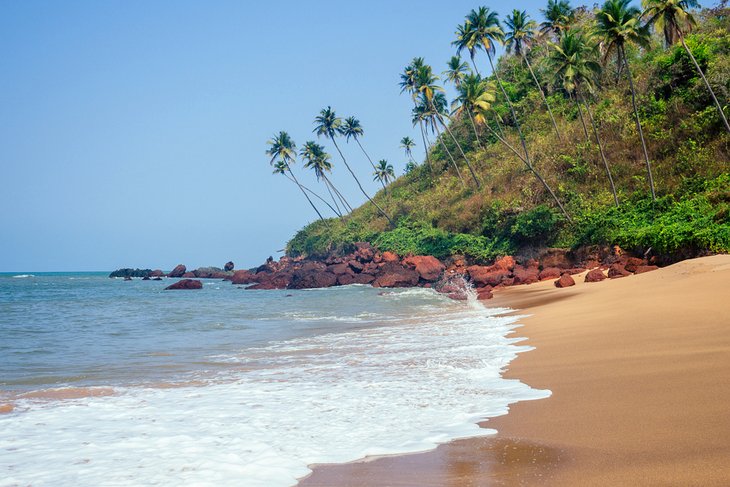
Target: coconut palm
x,y
351,128
283,148
319,161
384,172
559,16
408,84
407,144
280,168
328,125
573,60
675,20
426,87
424,113
520,38
617,23
474,98
456,70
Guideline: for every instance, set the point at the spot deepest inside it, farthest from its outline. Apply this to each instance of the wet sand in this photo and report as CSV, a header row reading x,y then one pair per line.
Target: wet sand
x,y
639,368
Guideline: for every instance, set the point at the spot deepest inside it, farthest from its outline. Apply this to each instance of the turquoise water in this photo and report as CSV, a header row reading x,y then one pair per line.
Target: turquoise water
x,y
225,386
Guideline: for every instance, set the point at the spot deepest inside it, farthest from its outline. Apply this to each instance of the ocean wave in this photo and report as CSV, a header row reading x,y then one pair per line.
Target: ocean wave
x,y
23,276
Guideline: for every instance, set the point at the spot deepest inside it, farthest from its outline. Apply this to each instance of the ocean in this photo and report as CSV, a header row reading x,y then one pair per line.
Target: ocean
x,y
116,382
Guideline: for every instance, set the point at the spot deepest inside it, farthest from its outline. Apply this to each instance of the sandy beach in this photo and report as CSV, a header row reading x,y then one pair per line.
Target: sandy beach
x,y
639,368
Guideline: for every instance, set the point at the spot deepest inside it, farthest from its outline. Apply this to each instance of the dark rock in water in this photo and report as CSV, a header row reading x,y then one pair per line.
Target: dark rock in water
x,y
305,279
157,273
178,271
269,280
156,278
210,273
127,272
228,267
595,275
185,284
188,275
428,268
565,281
393,274
127,278
347,279
243,277
146,278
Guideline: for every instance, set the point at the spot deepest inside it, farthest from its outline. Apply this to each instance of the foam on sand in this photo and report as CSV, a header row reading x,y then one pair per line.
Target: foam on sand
x,y
277,409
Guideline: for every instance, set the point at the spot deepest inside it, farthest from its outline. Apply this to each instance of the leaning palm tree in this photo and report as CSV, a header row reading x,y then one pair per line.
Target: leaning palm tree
x,y
384,173
573,60
407,144
426,87
283,148
617,23
559,16
674,18
474,98
520,38
280,168
328,125
456,70
425,115
351,128
408,84
319,161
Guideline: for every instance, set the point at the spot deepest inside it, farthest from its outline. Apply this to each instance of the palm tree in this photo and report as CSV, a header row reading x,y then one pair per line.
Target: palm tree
x,y
352,128
426,87
520,38
474,98
573,61
283,148
408,84
319,161
618,23
328,125
674,18
384,173
456,70
559,16
280,168
426,116
407,144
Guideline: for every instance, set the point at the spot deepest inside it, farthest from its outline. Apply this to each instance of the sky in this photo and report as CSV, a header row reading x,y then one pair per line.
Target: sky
x,y
133,133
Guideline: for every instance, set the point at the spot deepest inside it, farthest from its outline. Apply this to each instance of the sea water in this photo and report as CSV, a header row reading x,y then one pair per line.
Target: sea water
x,y
118,382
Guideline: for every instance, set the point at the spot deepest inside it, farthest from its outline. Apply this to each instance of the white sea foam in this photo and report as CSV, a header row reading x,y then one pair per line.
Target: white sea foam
x,y
23,276
337,397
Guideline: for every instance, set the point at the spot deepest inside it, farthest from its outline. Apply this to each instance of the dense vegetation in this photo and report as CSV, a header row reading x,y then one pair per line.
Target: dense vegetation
x,y
605,127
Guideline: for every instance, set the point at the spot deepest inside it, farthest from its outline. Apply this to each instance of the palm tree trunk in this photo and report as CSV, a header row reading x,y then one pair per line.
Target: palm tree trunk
x,y
707,84
458,146
339,195
334,200
582,120
474,126
302,190
438,137
496,120
360,185
600,146
638,123
509,103
542,94
370,160
318,197
425,146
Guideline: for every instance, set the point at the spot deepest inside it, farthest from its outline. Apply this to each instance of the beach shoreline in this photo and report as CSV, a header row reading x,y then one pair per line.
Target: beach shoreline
x,y
638,367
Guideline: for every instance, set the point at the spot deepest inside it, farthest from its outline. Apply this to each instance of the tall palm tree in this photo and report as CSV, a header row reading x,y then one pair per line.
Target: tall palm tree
x,y
426,87
352,128
474,98
456,70
559,17
408,84
283,148
520,38
280,168
328,125
407,144
674,18
574,63
384,173
618,24
424,114
319,161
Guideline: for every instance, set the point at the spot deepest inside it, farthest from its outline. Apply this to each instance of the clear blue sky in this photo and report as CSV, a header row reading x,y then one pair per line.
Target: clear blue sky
x,y
132,133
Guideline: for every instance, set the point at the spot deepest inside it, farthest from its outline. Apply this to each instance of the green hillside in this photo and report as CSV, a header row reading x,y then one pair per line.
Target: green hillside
x,y
434,211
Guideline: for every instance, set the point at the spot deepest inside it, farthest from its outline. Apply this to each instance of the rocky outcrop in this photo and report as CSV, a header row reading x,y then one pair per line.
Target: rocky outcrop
x,y
428,268
305,279
178,271
550,273
633,263
185,284
228,267
242,277
157,273
616,271
487,276
393,274
560,258
210,273
565,281
595,275
526,275
127,272
362,278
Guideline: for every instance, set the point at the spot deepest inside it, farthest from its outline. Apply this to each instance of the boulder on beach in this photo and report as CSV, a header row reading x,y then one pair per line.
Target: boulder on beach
x,y
526,275
178,271
645,268
595,275
632,263
185,284
565,281
487,275
616,271
549,273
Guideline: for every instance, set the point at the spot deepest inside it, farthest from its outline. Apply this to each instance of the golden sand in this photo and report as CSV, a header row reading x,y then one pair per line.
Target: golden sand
x,y
639,368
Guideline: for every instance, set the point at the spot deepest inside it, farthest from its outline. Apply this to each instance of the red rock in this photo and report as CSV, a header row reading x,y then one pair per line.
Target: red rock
x,y
209,273
392,274
390,257
229,266
157,273
556,258
306,279
506,263
483,275
243,276
484,293
632,263
428,268
338,269
364,252
527,275
645,268
458,296
595,275
616,271
507,281
576,270
532,263
178,271
188,275
272,280
549,273
362,278
185,284
565,281
356,266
